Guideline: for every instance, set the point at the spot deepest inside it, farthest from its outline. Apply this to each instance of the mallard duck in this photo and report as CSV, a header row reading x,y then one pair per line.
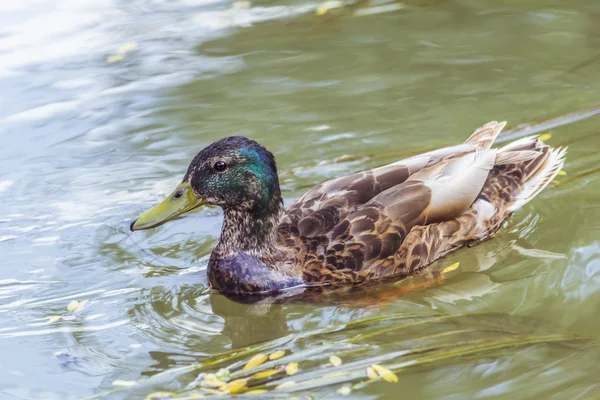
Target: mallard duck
x,y
385,223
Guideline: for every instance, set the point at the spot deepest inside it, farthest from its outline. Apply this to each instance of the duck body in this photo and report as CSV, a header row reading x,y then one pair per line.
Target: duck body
x,y
385,223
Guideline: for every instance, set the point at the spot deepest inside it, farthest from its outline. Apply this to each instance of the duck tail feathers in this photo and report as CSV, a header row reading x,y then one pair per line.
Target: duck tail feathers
x,y
539,172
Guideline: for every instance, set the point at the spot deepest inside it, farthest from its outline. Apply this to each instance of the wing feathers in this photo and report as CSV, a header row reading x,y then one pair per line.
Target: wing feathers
x,y
513,157
485,136
455,184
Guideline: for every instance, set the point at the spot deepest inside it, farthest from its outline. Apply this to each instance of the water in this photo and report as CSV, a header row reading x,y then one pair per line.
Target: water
x,y
105,102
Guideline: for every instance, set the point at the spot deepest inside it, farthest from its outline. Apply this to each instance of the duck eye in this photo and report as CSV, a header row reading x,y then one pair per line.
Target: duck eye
x,y
220,166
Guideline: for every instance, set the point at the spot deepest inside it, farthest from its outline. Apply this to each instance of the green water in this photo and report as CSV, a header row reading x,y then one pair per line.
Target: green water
x,y
87,144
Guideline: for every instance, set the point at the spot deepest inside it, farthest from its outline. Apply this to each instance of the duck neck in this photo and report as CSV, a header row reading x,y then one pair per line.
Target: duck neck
x,y
247,259
253,232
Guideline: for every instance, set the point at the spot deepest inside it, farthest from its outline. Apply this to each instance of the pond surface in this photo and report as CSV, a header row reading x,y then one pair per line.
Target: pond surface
x,y
104,102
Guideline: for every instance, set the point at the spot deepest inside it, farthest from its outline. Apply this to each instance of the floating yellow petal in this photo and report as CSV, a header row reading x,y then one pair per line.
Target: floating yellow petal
x,y
54,318
265,374
345,390
124,383
335,360
256,391
451,268
72,305
212,380
328,5
371,373
556,182
285,385
234,386
562,172
545,137
158,395
276,355
75,305
385,373
127,47
291,368
255,361
114,58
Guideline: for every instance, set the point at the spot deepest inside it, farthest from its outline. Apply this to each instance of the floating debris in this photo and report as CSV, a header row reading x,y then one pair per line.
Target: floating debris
x,y
234,386
451,268
127,47
114,58
52,319
371,373
545,137
276,355
265,374
76,306
235,376
335,361
212,380
159,396
562,172
255,361
344,390
123,50
385,373
291,368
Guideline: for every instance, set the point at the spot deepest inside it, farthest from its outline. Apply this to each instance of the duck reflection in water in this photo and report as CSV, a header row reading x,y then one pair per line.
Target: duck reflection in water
x,y
247,324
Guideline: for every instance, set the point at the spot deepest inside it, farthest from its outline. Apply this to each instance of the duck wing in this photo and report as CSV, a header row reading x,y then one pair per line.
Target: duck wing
x,y
328,204
377,229
408,227
438,193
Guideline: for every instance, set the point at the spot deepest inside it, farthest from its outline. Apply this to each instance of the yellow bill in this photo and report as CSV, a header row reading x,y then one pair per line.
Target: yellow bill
x,y
179,202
